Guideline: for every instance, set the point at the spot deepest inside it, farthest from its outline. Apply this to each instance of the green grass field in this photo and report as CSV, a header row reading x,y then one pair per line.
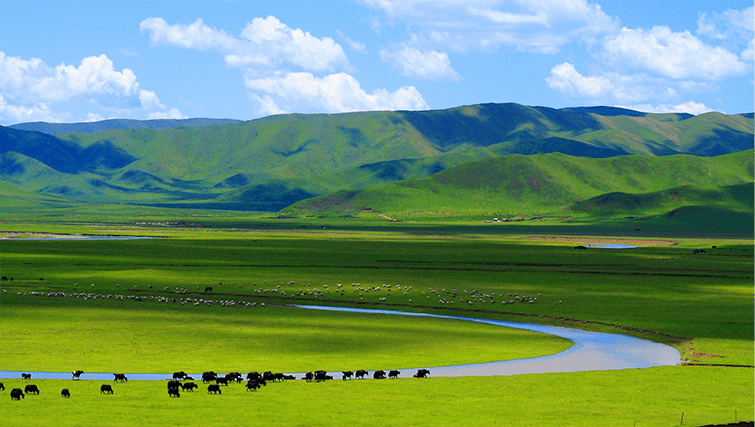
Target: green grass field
x,y
647,397
702,304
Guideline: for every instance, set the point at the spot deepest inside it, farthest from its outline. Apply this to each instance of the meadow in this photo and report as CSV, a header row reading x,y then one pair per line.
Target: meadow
x,y
701,304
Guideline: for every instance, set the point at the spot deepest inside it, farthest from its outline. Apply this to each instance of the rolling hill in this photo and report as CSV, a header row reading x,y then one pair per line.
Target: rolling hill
x,y
559,184
273,162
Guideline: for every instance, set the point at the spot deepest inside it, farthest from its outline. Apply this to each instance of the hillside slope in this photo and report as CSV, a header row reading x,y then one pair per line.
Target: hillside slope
x,y
558,183
275,161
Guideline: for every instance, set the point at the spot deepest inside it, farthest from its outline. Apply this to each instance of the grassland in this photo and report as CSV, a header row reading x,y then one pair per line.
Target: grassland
x,y
649,397
702,304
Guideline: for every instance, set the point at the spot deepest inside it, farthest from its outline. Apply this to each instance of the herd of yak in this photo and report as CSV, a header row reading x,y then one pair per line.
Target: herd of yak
x,y
254,381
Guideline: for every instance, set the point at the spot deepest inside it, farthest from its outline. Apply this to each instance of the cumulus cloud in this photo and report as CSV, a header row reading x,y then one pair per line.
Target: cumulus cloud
x,y
485,25
333,93
676,55
272,55
614,88
29,88
262,43
690,107
411,62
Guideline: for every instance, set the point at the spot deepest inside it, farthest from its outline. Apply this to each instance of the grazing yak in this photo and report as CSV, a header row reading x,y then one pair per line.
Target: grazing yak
x,y
189,386
179,375
346,375
223,381
322,376
309,376
422,373
379,375
209,376
208,289
2,387
361,374
65,393
253,375
106,388
76,375
393,374
214,389
173,392
31,389
25,376
268,376
252,385
16,394
174,384
120,377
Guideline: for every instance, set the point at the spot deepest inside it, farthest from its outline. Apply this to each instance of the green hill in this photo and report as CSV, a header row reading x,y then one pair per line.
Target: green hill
x,y
557,183
276,161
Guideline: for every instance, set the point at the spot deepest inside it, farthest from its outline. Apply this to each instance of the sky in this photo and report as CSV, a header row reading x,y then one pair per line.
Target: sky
x,y
77,61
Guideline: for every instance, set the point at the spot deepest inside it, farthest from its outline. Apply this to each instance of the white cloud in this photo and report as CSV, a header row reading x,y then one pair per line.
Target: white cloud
x,y
566,79
690,107
611,88
173,113
421,65
333,93
353,44
485,25
29,88
749,53
263,43
676,55
728,23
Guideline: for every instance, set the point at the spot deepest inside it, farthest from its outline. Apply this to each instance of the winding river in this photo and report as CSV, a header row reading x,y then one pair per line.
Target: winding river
x,y
592,351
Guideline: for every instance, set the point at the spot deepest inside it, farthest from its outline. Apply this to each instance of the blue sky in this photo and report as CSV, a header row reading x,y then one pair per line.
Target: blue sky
x,y
72,61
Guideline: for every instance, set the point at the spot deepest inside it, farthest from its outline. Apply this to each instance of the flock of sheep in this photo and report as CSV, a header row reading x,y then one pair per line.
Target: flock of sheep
x,y
379,293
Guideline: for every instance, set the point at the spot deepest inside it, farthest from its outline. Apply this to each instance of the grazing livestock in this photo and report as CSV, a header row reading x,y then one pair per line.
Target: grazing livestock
x,y
268,376
208,289
189,386
361,374
252,385
209,376
698,251
422,373
16,394
173,384
214,389
179,375
2,387
106,388
321,376
223,381
173,392
309,376
394,374
253,375
379,375
120,377
65,393
25,376
346,375
76,375
31,389
289,377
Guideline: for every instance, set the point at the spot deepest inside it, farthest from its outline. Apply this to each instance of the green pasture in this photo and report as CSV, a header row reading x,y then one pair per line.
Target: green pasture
x,y
668,396
667,292
701,304
46,334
